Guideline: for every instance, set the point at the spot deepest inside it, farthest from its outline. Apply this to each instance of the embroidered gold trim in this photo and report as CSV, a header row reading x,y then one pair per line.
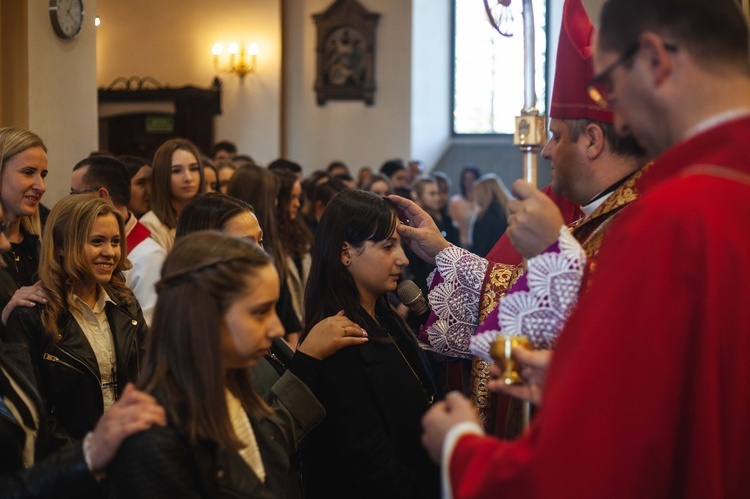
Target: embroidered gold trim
x,y
484,400
501,277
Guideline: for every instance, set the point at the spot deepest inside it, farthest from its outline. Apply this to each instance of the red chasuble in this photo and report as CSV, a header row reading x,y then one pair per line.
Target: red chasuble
x,y
648,394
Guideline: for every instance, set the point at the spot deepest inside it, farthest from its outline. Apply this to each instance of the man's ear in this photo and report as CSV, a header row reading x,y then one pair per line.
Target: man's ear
x,y
103,193
595,141
661,62
346,258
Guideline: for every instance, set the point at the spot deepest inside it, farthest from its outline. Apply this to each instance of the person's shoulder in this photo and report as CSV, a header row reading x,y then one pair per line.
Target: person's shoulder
x,y
157,448
148,248
27,314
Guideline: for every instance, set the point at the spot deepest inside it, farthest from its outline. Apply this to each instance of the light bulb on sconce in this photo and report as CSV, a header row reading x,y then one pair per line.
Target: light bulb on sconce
x,y
240,66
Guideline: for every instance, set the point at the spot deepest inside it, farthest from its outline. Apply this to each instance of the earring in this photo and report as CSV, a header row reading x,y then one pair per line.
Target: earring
x,y
347,262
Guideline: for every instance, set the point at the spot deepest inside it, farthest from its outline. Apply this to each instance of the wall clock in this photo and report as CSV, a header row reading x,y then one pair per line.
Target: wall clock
x,y
66,17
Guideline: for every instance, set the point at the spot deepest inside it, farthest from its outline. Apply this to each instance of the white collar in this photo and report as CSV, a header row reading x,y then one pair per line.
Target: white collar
x,y
593,205
716,120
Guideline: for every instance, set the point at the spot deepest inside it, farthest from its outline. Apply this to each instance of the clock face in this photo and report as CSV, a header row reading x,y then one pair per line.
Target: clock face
x,y
66,17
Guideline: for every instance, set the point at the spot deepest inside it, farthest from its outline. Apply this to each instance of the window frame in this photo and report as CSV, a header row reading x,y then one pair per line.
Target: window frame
x,y
545,98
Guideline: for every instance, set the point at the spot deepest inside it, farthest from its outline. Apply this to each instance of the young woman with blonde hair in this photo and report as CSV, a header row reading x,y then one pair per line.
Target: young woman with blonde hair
x,y
23,168
85,343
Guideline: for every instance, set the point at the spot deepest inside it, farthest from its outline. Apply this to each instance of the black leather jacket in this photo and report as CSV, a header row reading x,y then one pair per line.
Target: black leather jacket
x,y
63,474
67,372
162,463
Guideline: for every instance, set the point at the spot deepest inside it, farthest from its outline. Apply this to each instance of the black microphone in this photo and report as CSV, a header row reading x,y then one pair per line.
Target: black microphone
x,y
412,297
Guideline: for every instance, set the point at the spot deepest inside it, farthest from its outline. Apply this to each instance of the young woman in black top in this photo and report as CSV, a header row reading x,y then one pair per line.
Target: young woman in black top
x,y
374,394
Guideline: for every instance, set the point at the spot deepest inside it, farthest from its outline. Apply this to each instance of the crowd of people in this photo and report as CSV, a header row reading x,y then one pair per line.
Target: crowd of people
x,y
195,326
218,317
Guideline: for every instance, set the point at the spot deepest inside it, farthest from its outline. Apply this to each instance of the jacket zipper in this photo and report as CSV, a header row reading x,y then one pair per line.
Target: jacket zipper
x,y
96,375
52,358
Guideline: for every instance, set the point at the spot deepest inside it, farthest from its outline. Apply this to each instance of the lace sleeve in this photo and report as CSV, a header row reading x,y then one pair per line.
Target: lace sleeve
x,y
538,304
455,288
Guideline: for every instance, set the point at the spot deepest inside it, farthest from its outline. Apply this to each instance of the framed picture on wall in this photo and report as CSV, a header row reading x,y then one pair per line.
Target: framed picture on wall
x,y
345,68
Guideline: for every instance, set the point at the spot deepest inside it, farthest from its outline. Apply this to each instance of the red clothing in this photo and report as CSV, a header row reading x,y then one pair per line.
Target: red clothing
x,y
504,252
137,235
648,394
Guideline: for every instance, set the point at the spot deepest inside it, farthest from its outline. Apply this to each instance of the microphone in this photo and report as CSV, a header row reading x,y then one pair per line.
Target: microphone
x,y
412,297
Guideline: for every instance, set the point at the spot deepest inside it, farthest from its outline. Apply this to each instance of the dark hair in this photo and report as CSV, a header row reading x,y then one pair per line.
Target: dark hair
x,y
201,277
714,31
161,180
622,146
293,233
243,159
258,187
309,186
355,217
224,145
210,211
325,191
442,177
333,165
216,175
467,169
107,172
376,177
284,164
133,163
403,191
392,166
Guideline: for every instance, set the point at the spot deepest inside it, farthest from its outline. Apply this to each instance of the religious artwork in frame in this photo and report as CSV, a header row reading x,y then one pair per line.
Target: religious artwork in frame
x,y
345,68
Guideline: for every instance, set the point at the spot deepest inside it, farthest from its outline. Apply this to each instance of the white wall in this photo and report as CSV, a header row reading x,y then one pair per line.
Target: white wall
x,y
62,94
431,80
171,41
348,131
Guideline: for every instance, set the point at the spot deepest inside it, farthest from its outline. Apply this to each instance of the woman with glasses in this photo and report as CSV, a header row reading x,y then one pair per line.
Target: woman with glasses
x,y
177,178
85,343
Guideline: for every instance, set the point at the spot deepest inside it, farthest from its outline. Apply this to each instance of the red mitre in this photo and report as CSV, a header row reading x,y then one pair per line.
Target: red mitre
x,y
575,68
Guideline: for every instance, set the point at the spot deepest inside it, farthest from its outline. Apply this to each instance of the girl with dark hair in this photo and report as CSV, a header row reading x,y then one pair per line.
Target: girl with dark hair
x,y
215,317
258,187
374,394
210,177
462,207
294,236
140,172
177,178
85,343
491,220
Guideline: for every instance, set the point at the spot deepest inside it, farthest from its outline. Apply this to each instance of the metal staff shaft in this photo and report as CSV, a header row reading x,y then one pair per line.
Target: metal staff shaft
x,y
530,152
531,133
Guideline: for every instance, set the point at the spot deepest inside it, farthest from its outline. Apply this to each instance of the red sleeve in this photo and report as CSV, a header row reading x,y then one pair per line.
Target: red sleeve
x,y
645,383
504,252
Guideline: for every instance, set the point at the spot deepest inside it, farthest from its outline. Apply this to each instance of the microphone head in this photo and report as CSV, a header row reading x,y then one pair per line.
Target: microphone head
x,y
409,293
411,296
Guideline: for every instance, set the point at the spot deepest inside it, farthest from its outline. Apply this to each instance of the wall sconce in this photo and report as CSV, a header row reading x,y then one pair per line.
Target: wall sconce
x,y
240,66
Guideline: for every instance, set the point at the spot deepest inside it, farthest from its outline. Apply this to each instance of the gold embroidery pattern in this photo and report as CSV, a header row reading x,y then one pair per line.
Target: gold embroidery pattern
x,y
484,400
501,277
623,195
